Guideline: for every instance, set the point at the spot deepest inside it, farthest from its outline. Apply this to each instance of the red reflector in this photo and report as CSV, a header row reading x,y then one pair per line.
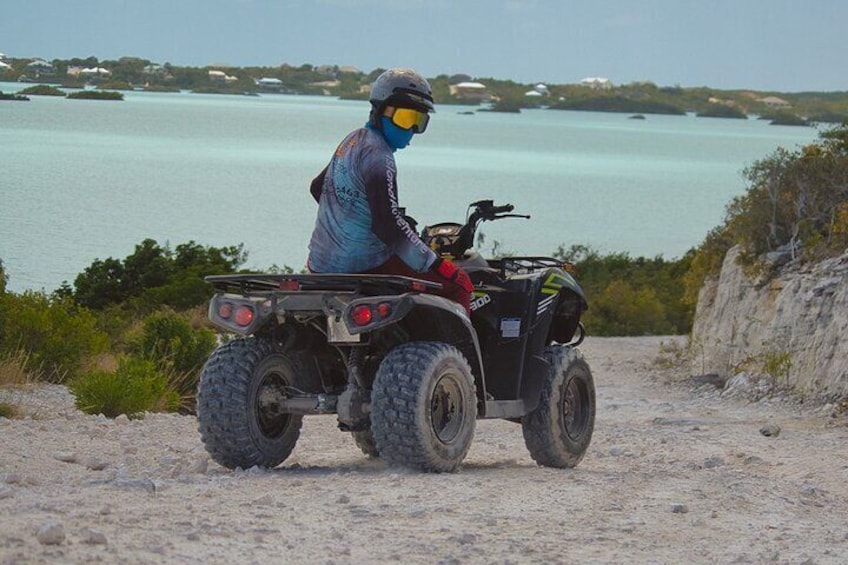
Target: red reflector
x,y
384,309
419,287
289,285
361,315
244,315
225,310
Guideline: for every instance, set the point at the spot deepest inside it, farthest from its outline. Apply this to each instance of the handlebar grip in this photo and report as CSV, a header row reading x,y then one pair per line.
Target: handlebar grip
x,y
503,209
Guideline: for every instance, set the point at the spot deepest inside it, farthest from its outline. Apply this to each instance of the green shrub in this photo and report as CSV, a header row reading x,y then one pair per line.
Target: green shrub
x,y
631,296
795,200
154,276
177,350
169,341
9,411
135,387
59,337
623,310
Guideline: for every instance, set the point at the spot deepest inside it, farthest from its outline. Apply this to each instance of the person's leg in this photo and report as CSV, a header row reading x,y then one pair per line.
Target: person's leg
x,y
451,290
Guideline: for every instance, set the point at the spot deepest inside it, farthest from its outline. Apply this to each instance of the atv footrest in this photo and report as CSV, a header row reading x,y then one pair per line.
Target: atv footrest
x,y
507,408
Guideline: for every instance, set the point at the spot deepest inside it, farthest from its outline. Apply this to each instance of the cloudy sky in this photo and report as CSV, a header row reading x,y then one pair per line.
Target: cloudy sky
x,y
780,45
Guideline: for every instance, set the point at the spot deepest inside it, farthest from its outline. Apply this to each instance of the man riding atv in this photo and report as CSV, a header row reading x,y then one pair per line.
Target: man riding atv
x,y
360,227
375,333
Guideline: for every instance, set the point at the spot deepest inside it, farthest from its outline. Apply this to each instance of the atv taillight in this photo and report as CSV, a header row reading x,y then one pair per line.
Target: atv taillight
x,y
225,310
289,285
384,310
362,315
244,315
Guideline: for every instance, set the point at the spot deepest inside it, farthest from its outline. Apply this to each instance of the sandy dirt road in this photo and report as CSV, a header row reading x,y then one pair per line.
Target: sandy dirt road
x,y
673,475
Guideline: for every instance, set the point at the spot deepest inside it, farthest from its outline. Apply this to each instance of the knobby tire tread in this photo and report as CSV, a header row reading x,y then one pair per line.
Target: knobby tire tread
x,y
543,435
223,412
396,420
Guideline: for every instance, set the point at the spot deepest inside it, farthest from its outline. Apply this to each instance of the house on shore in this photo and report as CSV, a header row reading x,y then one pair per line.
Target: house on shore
x,y
540,90
221,76
40,68
597,83
269,84
470,91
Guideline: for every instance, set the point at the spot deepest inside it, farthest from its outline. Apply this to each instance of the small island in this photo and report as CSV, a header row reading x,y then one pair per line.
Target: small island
x,y
96,95
42,90
722,111
786,119
13,97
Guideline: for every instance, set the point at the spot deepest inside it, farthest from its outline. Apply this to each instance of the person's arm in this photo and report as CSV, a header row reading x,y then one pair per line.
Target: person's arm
x,y
388,223
317,185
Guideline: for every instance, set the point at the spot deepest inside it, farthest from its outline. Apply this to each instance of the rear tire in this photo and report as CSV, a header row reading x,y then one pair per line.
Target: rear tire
x,y
239,387
424,407
558,432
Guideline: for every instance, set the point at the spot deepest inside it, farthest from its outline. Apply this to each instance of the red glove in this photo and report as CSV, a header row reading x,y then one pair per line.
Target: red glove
x,y
453,273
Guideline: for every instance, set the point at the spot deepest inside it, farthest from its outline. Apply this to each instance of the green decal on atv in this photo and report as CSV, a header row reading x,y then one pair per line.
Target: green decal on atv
x,y
552,285
479,300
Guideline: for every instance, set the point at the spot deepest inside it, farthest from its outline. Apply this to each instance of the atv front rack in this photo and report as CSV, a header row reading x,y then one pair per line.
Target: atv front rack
x,y
526,265
364,284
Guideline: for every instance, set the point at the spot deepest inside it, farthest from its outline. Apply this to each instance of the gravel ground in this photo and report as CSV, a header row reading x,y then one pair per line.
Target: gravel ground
x,y
673,475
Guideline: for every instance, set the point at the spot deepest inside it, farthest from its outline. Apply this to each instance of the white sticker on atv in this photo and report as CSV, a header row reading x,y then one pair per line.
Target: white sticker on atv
x,y
510,327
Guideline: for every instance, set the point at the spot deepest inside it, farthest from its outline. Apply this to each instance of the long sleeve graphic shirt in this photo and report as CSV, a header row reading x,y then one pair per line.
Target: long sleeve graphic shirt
x,y
359,225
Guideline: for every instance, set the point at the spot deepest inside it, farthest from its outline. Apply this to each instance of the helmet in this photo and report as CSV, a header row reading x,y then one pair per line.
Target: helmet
x,y
402,87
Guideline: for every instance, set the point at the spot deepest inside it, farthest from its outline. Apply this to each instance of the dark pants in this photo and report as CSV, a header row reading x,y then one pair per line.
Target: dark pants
x,y
451,290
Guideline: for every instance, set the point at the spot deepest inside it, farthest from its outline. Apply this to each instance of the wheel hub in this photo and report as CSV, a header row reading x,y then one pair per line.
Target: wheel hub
x,y
446,412
271,391
573,408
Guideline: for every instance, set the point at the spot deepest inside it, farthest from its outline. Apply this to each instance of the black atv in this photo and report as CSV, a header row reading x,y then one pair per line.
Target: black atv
x,y
406,372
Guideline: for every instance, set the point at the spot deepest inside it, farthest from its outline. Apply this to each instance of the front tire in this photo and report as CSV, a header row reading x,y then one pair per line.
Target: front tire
x,y
424,407
558,432
239,387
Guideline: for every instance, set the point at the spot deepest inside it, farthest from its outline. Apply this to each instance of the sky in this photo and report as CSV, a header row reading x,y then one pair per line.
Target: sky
x,y
767,45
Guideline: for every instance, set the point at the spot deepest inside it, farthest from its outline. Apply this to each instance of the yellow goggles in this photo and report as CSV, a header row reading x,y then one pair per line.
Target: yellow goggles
x,y
407,118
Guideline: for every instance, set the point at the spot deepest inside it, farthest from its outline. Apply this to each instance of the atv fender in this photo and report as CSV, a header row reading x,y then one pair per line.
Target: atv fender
x,y
427,317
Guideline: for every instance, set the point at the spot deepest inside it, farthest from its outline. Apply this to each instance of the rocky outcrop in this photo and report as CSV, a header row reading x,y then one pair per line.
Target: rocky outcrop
x,y
792,326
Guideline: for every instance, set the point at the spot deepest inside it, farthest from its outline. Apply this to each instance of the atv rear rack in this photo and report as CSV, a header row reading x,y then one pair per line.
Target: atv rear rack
x,y
364,284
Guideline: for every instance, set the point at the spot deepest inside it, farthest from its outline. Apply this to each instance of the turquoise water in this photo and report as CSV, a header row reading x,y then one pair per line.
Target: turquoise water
x,y
81,180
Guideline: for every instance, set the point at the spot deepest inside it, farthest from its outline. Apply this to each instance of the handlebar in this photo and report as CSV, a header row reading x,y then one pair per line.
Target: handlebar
x,y
486,209
483,210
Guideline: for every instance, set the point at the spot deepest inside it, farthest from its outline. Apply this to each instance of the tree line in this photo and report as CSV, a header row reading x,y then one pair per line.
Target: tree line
x,y
634,97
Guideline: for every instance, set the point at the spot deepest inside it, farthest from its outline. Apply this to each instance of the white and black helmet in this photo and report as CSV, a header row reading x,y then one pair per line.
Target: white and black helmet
x,y
404,88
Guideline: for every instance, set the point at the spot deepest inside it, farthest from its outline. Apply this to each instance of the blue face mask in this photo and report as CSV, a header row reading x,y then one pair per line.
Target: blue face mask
x,y
396,137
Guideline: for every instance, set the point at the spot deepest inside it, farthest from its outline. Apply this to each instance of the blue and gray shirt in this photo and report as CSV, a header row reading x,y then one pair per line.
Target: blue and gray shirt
x,y
359,225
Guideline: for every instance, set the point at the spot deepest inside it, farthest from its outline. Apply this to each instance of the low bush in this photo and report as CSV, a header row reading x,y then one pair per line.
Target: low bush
x,y
153,276
13,369
796,201
177,350
631,296
135,387
9,411
58,336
